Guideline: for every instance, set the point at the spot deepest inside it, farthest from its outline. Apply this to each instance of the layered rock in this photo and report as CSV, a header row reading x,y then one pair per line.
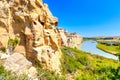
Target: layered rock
x,y
32,22
72,40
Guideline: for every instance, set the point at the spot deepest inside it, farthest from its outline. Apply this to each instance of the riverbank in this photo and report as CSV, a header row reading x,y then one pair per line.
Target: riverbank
x,y
110,49
90,46
86,66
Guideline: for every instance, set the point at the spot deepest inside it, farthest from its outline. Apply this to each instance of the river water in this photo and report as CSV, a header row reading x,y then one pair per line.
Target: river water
x,y
90,46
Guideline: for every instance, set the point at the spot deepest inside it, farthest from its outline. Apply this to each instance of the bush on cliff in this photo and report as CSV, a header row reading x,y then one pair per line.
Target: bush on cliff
x,y
13,42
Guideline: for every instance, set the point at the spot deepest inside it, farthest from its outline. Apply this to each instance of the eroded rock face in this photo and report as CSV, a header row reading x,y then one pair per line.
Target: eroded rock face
x,y
72,40
19,64
15,62
63,36
33,23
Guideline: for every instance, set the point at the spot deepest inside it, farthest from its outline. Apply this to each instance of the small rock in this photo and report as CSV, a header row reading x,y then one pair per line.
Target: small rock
x,y
32,72
3,56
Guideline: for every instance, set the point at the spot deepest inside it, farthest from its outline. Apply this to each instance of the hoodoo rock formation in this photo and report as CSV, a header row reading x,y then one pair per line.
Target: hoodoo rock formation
x,y
72,40
33,24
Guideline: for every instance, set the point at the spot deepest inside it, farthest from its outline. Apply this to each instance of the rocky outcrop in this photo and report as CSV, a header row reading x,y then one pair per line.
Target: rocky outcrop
x,y
33,24
72,40
19,64
63,35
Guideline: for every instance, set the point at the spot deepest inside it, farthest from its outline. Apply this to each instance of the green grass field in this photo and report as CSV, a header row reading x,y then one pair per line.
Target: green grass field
x,y
110,49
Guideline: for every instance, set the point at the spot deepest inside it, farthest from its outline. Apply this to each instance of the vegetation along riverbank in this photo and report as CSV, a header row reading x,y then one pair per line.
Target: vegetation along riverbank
x,y
85,66
109,47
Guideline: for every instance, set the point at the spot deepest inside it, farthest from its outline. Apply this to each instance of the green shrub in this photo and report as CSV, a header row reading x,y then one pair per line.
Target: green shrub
x,y
44,74
85,76
8,75
83,60
2,69
16,40
69,63
89,66
13,42
3,49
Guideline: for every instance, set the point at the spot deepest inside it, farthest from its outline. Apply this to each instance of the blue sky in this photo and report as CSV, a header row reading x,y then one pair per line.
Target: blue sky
x,y
87,17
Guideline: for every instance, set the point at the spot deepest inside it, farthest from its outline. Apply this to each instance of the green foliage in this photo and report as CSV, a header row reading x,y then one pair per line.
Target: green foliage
x,y
83,60
16,40
110,49
85,76
13,42
3,49
1,69
69,63
89,66
88,38
10,41
7,75
44,74
37,64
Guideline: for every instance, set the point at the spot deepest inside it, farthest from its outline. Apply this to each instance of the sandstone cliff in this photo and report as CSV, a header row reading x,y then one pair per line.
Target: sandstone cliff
x,y
72,40
63,36
33,24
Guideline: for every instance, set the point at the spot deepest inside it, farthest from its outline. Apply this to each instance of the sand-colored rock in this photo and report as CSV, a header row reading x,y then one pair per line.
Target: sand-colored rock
x,y
17,63
3,55
63,36
32,73
72,40
35,25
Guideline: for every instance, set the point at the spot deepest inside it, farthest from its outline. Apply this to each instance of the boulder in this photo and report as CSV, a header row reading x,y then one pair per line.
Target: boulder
x,y
18,64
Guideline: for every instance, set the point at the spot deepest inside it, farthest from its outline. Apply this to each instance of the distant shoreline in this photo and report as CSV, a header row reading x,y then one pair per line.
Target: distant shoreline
x,y
99,46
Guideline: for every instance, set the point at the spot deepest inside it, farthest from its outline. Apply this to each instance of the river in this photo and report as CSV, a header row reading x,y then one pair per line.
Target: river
x,y
90,46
